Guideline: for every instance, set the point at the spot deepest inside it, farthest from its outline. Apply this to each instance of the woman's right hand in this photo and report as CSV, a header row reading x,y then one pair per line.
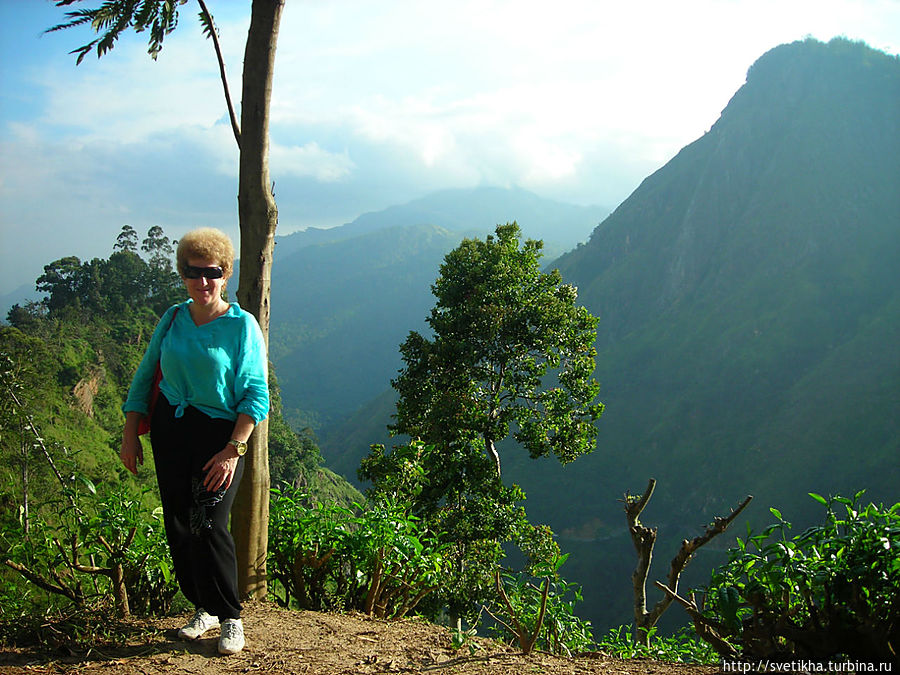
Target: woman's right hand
x,y
131,452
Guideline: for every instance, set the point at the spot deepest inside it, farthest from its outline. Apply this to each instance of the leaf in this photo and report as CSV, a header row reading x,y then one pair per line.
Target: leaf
x,y
88,484
819,498
776,512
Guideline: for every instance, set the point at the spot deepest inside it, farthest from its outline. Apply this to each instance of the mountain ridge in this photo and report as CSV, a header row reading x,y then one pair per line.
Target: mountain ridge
x,y
561,225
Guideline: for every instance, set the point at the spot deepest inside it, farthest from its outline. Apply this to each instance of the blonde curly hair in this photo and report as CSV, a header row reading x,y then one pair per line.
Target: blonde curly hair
x,y
207,243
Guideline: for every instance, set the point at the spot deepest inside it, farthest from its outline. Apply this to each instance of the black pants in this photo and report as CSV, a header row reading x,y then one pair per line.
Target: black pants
x,y
196,520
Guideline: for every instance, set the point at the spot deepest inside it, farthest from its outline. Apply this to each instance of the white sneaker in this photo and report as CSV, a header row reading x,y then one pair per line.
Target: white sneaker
x,y
231,641
201,622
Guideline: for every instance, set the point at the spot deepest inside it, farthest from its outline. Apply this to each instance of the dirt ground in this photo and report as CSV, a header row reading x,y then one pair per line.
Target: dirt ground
x,y
282,641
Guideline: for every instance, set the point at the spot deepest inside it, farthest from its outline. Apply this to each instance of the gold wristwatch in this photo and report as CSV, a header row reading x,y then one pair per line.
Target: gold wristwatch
x,y
240,446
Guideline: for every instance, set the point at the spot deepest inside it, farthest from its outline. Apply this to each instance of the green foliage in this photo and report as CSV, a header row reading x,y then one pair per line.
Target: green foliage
x,y
500,326
119,286
683,647
82,544
378,559
832,590
457,494
546,613
460,638
149,574
502,329
158,17
293,458
127,240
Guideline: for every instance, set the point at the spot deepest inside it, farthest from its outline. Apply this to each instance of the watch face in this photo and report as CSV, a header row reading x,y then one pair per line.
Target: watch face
x,y
240,446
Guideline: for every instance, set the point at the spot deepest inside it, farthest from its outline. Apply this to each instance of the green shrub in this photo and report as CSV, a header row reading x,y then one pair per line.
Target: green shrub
x,y
832,591
683,647
82,545
378,559
525,610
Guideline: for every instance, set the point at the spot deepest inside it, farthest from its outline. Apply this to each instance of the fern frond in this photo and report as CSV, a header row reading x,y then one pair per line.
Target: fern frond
x,y
77,18
113,17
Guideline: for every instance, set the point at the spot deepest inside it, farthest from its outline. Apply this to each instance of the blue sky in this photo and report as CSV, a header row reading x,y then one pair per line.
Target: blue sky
x,y
374,104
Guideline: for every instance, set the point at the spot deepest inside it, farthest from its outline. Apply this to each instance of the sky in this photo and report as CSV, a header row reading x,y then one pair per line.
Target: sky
x,y
374,104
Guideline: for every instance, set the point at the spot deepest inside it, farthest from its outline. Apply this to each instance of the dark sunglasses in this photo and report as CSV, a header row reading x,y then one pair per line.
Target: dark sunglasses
x,y
191,272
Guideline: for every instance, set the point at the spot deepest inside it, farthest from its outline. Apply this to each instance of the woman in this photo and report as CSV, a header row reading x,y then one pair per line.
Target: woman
x,y
213,392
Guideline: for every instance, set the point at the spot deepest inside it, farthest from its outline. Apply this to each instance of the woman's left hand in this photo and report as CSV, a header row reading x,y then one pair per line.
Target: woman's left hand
x,y
220,469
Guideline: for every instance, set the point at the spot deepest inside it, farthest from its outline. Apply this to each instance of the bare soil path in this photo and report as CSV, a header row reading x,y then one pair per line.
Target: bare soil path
x,y
282,641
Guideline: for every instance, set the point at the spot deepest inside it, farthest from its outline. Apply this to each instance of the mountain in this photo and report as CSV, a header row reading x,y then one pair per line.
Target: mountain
x,y
339,312
749,312
344,299
24,293
755,274
561,226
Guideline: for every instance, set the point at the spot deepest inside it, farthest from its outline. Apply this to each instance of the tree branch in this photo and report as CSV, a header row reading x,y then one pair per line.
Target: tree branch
x,y
644,539
235,127
39,581
40,441
706,629
687,550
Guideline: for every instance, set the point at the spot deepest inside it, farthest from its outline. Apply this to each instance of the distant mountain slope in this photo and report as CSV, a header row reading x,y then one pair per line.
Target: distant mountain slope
x,y
748,268
561,226
23,294
344,299
749,328
339,311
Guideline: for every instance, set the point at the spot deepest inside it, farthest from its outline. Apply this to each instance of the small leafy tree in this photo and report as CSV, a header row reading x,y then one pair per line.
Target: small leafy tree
x,y
540,617
457,494
163,283
500,326
511,354
24,379
60,282
375,558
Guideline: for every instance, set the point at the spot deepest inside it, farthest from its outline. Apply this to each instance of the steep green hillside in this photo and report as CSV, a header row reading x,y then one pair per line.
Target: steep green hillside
x,y
745,275
749,319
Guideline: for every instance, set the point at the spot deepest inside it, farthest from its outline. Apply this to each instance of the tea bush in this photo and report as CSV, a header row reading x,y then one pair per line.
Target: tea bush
x,y
830,592
378,559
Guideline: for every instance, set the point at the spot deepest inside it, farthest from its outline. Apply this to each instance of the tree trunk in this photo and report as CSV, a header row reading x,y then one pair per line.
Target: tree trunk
x,y
120,593
26,510
258,219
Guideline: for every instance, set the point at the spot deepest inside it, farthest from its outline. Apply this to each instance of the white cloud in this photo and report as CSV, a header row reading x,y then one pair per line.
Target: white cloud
x,y
310,160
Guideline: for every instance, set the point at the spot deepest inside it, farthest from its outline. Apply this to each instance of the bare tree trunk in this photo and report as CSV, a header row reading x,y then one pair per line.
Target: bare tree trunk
x,y
258,218
26,508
